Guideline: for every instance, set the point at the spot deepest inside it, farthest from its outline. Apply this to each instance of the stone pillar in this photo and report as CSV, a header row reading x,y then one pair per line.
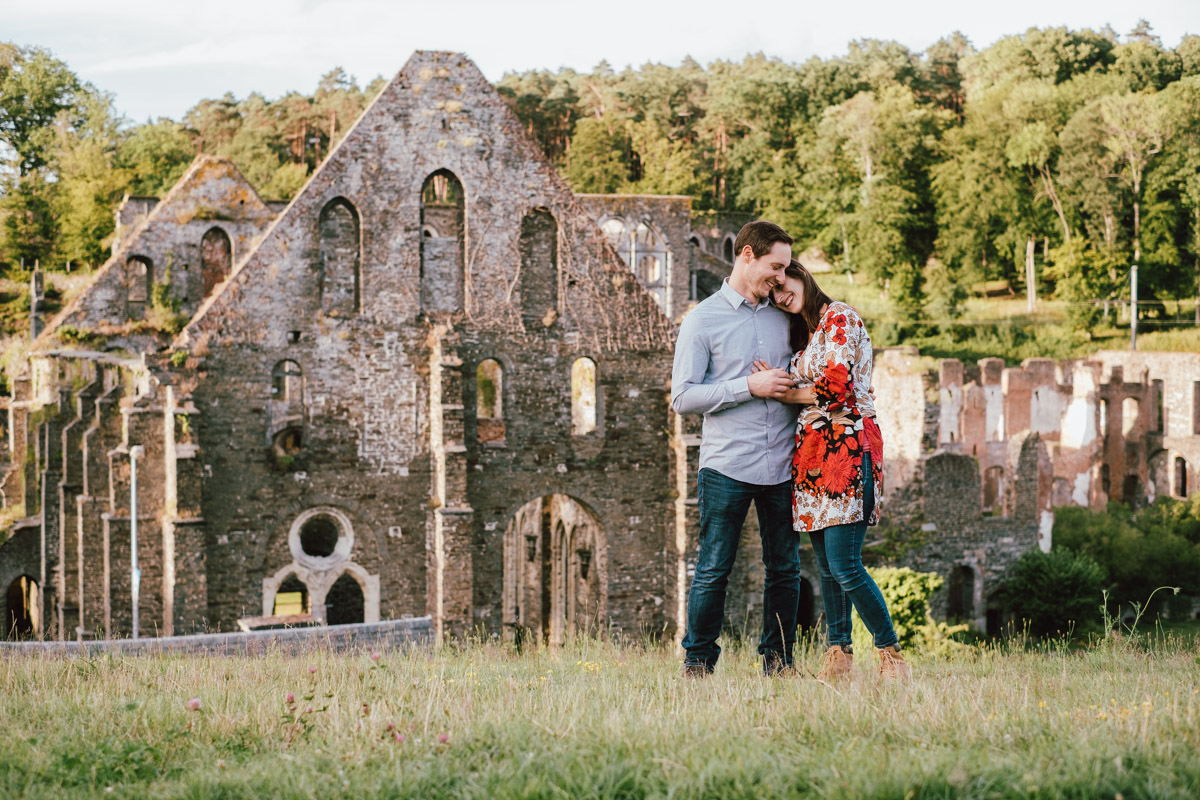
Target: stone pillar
x,y
69,489
1045,411
974,420
1018,393
451,523
102,436
183,523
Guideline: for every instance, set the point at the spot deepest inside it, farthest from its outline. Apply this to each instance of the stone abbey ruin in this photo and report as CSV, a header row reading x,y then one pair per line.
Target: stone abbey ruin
x,y
435,384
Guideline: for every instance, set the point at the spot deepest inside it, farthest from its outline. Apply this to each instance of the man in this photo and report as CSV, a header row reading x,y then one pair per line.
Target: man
x,y
746,449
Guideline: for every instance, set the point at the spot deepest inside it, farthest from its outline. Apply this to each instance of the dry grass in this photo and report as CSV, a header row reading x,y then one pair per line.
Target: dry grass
x,y
597,720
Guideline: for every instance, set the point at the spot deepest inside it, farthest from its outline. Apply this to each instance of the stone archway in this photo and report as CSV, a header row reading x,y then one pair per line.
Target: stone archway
x,y
21,618
555,570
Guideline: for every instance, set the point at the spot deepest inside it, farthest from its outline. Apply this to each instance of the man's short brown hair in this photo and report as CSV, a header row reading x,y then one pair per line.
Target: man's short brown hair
x,y
761,236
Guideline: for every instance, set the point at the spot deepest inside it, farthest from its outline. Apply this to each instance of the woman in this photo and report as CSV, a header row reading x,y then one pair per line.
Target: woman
x,y
837,468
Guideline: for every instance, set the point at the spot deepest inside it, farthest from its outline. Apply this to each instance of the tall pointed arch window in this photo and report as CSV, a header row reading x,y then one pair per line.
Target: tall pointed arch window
x,y
442,243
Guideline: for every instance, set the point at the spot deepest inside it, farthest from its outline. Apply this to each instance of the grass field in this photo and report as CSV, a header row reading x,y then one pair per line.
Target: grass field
x,y
594,720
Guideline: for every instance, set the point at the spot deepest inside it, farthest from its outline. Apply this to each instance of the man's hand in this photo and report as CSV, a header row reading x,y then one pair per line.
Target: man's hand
x,y
773,383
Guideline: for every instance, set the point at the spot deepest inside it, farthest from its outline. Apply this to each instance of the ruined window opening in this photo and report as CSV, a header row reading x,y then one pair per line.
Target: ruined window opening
x,y
489,401
727,249
583,396
650,249
1105,479
538,246
993,491
22,609
1130,409
139,272
287,382
341,251
288,442
216,259
635,166
489,379
291,598
443,263
1103,417
344,603
960,603
319,536
1181,481
1160,411
694,241
293,337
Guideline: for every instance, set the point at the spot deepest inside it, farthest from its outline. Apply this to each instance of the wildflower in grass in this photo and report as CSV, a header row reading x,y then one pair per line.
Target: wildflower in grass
x,y
375,656
390,726
366,709
291,699
400,738
312,670
443,738
194,704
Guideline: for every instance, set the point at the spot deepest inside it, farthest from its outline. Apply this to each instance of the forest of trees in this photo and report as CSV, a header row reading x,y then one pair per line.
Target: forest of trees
x,y
1075,151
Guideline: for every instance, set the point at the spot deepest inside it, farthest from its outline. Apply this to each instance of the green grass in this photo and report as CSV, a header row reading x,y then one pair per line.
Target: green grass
x,y
597,721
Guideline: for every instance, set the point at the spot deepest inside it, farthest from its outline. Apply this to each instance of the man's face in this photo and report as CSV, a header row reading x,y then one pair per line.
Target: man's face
x,y
766,273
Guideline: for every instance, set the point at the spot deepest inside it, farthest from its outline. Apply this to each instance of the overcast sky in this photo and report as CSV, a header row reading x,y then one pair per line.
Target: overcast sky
x,y
159,58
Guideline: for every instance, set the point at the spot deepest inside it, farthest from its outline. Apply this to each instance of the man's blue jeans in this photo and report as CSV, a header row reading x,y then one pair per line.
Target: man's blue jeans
x,y
724,503
844,579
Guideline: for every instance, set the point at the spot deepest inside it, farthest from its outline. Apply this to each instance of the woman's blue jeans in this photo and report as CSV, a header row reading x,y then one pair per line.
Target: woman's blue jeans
x,y
844,579
724,503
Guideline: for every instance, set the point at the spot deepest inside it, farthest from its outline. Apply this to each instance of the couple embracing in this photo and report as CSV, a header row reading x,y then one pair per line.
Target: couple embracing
x,y
782,375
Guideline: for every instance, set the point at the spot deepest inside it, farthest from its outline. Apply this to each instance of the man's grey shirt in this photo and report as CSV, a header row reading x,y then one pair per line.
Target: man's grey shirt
x,y
750,439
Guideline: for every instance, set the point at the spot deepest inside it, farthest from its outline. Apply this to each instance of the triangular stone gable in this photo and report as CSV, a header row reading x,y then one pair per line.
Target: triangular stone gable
x,y
211,193
438,113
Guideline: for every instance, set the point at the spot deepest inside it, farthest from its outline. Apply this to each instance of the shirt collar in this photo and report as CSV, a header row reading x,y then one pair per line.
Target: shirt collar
x,y
735,299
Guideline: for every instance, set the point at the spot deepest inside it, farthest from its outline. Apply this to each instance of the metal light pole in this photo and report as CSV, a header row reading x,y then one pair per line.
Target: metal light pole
x,y
135,575
1133,308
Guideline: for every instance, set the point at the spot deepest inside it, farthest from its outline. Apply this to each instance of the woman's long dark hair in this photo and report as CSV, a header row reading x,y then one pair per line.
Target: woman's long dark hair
x,y
809,318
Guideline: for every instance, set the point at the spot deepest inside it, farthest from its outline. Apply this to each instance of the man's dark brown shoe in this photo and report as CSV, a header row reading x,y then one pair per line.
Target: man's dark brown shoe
x,y
696,671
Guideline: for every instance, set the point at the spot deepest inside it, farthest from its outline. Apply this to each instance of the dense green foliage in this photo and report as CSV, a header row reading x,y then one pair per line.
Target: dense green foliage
x,y
907,594
1140,550
928,173
1054,592
67,158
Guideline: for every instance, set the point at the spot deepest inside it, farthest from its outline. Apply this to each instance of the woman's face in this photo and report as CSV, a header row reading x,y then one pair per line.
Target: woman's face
x,y
790,295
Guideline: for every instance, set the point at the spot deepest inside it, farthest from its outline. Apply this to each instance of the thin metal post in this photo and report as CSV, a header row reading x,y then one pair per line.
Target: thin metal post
x,y
1133,308
135,575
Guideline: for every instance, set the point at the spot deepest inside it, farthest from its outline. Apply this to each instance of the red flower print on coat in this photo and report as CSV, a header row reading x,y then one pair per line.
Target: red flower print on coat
x,y
874,441
838,472
811,453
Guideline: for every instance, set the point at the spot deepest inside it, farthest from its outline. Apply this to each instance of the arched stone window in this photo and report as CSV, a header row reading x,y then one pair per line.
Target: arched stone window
x,y
287,382
583,396
139,274
442,260
1181,477
341,248
651,255
345,603
727,249
489,400
216,259
538,246
291,598
618,236
22,608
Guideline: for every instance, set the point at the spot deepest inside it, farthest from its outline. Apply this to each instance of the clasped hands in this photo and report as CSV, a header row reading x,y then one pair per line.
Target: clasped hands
x,y
767,381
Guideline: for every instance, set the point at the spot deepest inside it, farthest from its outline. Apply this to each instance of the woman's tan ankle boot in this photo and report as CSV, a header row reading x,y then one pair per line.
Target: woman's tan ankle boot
x,y
835,664
892,665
